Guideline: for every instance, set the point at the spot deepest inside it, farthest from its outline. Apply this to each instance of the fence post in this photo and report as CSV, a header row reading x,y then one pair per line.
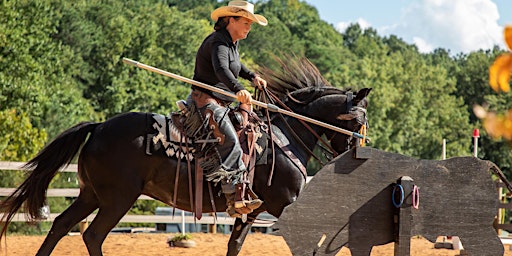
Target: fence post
x,y
83,226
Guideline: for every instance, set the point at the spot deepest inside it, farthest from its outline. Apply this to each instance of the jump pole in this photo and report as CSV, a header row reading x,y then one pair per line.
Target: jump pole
x,y
268,106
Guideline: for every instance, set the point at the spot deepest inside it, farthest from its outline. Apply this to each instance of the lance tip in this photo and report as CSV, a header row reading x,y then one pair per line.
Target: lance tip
x,y
130,62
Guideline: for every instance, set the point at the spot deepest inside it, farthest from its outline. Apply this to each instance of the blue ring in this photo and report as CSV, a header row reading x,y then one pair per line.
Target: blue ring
x,y
402,195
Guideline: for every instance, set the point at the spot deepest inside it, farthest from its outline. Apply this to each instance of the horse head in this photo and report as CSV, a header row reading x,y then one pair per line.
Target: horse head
x,y
341,108
301,87
353,118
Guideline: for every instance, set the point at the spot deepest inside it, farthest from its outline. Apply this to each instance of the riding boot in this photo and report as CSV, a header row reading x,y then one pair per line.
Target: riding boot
x,y
241,202
236,204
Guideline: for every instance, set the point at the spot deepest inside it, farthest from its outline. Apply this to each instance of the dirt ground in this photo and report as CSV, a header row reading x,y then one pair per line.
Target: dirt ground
x,y
206,244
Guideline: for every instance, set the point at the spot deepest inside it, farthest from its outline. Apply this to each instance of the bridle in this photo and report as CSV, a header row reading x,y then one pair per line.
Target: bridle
x,y
350,108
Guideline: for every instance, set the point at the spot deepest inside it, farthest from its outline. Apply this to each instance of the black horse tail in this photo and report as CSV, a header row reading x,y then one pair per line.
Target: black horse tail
x,y
44,166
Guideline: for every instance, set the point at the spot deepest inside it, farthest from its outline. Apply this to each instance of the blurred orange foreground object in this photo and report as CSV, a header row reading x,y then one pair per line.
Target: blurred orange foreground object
x,y
508,36
496,125
500,70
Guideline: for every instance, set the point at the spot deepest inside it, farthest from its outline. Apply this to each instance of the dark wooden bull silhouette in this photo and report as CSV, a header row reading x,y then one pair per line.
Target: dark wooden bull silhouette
x,y
350,201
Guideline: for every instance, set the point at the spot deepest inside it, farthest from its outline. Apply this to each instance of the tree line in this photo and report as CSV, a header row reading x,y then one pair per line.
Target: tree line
x,y
61,63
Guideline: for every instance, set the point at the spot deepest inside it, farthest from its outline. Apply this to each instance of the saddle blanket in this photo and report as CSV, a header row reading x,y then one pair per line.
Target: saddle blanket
x,y
173,142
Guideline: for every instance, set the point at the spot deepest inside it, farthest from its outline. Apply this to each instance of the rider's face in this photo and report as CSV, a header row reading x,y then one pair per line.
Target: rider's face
x,y
239,28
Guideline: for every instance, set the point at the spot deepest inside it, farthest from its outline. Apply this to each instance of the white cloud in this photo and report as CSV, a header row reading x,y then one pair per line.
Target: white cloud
x,y
457,25
342,26
422,45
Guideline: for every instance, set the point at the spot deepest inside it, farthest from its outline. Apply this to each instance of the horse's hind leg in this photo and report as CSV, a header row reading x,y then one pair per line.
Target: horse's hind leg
x,y
113,207
76,212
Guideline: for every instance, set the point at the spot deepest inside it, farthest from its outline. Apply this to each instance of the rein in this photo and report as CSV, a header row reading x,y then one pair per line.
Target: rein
x,y
326,147
271,97
320,139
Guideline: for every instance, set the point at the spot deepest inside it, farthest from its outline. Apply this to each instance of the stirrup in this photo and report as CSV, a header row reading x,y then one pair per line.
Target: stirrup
x,y
244,207
244,201
253,204
250,204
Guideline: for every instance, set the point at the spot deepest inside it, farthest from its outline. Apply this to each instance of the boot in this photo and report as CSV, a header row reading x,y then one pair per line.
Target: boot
x,y
229,192
236,205
230,202
236,209
248,203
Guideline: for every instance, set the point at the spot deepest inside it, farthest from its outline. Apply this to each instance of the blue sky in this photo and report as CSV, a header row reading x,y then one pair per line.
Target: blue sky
x,y
456,25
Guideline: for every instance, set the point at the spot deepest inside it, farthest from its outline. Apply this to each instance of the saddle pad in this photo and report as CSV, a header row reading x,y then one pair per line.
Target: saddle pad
x,y
168,136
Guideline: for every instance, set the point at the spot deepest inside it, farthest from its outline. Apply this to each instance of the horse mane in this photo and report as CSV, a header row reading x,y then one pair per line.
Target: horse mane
x,y
297,74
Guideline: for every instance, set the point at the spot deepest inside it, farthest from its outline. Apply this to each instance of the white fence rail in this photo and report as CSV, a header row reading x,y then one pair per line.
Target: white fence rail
x,y
73,192
177,219
18,166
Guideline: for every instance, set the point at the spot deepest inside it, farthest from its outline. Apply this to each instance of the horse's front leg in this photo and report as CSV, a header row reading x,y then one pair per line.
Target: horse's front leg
x,y
239,233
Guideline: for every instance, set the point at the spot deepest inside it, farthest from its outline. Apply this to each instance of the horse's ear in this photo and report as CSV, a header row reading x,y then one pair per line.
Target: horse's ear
x,y
361,94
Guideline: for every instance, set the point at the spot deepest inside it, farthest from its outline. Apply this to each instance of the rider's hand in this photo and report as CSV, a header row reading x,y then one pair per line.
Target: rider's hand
x,y
259,82
244,96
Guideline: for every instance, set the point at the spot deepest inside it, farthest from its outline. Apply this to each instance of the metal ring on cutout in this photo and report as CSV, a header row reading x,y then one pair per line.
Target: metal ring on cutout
x,y
397,205
415,197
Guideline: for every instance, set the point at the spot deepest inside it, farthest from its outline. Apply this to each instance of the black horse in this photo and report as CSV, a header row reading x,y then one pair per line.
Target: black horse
x,y
114,168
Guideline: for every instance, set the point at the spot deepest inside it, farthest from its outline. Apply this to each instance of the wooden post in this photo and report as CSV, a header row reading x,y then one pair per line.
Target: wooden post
x,y
502,197
403,219
212,228
83,226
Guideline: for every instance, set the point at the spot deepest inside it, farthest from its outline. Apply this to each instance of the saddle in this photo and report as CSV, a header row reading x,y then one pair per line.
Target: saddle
x,y
203,134
251,131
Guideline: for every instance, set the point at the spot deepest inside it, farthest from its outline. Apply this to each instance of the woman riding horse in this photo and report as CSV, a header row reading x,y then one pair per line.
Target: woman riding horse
x,y
218,63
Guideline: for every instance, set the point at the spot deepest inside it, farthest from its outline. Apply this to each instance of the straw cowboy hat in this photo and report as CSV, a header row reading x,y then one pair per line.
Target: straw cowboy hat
x,y
239,8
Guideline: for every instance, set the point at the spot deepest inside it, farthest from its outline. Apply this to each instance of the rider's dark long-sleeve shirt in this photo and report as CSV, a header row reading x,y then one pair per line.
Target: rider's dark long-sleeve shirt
x,y
218,63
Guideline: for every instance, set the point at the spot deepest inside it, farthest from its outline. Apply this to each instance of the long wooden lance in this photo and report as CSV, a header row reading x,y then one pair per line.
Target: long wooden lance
x,y
268,106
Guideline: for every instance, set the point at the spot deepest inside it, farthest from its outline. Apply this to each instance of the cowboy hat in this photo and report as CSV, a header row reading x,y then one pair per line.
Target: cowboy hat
x,y
239,8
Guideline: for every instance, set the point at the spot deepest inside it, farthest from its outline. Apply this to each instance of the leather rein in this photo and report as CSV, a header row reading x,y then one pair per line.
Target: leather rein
x,y
326,146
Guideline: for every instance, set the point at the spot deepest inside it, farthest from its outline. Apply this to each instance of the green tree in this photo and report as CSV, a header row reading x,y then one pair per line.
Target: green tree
x,y
413,106
36,72
19,141
299,30
471,72
162,37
